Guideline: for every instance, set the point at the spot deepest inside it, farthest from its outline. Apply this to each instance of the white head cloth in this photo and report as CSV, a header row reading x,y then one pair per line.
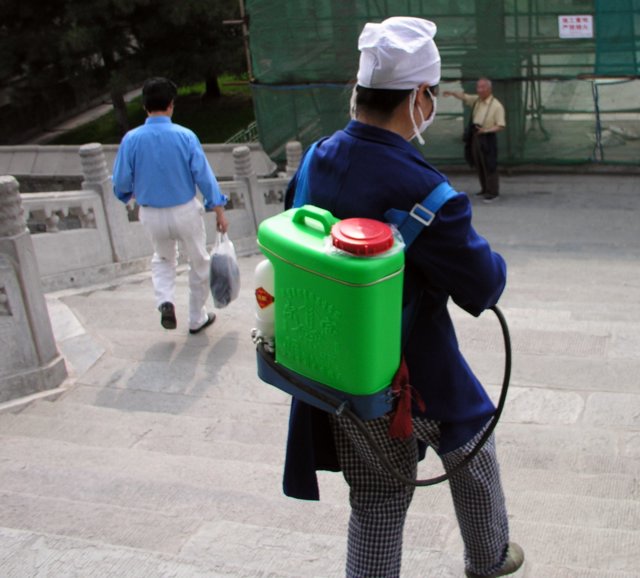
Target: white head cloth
x,y
399,53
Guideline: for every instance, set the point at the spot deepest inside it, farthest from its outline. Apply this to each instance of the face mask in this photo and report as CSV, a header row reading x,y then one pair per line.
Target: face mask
x,y
418,130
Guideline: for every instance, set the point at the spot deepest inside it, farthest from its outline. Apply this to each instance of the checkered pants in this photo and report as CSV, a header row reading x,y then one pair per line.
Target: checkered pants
x,y
379,502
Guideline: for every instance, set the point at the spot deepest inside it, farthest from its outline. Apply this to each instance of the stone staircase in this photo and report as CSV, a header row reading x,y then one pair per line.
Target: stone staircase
x,y
163,457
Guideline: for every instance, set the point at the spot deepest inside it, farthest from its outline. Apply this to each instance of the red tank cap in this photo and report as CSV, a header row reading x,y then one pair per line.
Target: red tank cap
x,y
362,236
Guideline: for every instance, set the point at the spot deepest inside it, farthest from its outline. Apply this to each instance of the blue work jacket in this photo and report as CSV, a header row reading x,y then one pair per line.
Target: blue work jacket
x,y
363,171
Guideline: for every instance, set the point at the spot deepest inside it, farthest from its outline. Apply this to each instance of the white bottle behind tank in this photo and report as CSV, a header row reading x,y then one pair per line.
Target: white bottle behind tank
x,y
265,305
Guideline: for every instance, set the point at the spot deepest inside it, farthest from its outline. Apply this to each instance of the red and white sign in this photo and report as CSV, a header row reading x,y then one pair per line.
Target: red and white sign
x,y
579,26
264,298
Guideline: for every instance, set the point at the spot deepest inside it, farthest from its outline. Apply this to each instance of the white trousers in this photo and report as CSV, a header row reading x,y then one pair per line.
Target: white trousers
x,y
166,227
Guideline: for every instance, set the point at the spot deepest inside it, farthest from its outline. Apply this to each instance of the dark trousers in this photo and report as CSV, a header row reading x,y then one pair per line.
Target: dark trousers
x,y
485,167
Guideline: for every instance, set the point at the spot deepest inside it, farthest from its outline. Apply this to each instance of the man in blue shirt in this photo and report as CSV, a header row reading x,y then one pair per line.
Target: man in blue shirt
x,y
370,169
159,164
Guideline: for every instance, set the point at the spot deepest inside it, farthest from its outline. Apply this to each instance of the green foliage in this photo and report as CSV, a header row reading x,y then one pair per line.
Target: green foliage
x,y
187,41
56,53
213,120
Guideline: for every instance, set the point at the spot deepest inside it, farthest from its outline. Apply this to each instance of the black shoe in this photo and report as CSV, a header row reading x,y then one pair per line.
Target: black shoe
x,y
489,198
211,317
480,194
168,316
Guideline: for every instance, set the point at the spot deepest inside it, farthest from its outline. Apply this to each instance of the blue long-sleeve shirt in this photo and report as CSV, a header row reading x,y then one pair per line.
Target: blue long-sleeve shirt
x,y
160,163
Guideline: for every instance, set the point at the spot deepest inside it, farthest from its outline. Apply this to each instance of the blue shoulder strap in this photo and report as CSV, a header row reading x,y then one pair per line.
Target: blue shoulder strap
x,y
302,186
411,223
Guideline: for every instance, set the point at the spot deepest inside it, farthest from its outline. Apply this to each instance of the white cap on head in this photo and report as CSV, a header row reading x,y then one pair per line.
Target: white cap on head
x,y
398,54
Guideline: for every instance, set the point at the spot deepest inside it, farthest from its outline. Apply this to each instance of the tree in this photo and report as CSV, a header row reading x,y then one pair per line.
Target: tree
x,y
100,37
32,68
188,41
116,44
64,50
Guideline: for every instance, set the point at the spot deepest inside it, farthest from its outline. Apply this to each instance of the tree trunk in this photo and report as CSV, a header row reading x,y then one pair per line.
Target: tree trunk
x,y
212,88
120,111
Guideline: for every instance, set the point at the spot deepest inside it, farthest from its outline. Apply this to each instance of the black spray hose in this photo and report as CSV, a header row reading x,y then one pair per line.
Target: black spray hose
x,y
341,408
485,436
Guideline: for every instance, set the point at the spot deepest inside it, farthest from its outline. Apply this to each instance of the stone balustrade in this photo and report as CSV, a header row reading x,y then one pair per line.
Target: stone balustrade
x,y
88,236
29,360
62,250
63,160
49,209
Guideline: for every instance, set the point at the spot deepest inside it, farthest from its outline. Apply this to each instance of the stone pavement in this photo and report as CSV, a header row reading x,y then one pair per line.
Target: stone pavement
x,y
163,455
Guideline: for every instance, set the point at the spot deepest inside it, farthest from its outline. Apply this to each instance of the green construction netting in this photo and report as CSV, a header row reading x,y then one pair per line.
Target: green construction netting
x,y
566,70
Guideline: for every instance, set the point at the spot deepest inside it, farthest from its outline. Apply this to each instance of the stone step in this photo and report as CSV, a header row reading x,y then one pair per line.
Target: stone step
x,y
24,553
200,426
576,550
130,477
210,430
214,437
147,484
222,345
195,402
250,413
142,528
251,433
139,297
432,546
190,375
550,571
534,419
245,421
321,555
283,553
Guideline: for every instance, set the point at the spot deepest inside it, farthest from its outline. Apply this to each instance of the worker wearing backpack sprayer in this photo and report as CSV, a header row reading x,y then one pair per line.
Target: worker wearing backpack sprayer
x,y
370,170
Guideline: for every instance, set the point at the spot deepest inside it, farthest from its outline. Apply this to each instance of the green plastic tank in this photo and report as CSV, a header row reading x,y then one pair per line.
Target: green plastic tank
x,y
338,297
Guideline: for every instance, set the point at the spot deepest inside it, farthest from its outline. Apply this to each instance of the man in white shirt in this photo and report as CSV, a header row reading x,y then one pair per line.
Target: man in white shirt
x,y
488,118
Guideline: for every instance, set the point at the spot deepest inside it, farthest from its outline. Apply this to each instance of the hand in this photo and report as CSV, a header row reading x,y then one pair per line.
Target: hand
x,y
222,224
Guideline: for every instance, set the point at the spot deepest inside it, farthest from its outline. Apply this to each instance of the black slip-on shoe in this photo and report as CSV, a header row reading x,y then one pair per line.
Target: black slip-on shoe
x,y
168,315
211,317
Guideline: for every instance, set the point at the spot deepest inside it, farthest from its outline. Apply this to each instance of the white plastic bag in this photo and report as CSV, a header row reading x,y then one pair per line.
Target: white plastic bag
x,y
224,275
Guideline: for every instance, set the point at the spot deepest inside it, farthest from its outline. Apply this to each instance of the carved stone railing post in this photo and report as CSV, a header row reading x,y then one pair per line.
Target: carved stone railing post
x,y
243,171
97,178
294,155
29,359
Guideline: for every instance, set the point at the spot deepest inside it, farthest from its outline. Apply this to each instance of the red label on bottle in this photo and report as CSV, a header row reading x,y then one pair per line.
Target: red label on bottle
x,y
263,297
